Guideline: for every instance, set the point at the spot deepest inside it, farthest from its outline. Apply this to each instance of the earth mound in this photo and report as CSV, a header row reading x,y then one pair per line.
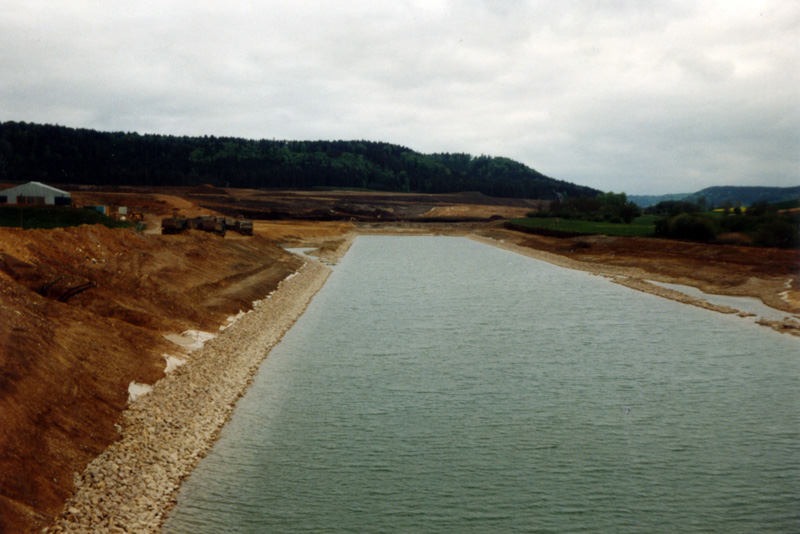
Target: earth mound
x,y
85,314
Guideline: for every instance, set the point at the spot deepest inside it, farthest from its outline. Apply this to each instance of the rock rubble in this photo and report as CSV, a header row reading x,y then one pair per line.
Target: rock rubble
x,y
131,486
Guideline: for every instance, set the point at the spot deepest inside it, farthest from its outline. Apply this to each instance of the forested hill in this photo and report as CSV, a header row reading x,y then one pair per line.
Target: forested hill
x,y
62,155
719,196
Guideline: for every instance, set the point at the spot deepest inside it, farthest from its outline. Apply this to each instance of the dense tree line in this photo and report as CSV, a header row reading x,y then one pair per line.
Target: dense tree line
x,y
760,224
606,207
673,208
62,155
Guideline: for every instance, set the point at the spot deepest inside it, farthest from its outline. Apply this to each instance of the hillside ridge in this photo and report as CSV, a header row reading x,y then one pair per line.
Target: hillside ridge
x,y
59,154
735,195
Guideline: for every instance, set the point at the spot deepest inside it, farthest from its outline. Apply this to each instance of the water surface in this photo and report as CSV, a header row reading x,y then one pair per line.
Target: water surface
x,y
440,385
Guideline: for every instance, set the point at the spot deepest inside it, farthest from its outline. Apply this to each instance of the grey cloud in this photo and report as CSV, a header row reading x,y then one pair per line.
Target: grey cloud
x,y
647,97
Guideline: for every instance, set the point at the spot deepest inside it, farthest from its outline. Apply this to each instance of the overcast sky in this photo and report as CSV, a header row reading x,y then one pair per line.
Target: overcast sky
x,y
641,96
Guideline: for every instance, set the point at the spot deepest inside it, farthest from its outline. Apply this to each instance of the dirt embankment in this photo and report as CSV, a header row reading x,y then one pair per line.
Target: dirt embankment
x,y
275,205
131,486
769,274
84,313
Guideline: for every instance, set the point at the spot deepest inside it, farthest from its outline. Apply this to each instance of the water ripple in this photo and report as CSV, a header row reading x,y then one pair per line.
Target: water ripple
x,y
439,385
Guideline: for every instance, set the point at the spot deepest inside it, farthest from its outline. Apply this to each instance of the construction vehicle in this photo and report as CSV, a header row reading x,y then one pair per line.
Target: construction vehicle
x,y
174,225
207,223
243,226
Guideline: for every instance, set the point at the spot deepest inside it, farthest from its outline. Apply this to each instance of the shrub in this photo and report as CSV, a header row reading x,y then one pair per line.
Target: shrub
x,y
778,232
674,208
661,227
691,227
738,224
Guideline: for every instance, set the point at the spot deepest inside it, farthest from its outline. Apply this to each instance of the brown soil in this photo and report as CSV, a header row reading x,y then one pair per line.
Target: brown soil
x,y
299,231
346,206
477,211
66,361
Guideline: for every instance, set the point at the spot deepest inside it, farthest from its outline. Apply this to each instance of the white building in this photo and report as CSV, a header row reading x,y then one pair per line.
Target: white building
x,y
35,193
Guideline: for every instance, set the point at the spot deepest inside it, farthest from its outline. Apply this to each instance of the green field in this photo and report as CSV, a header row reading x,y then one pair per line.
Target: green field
x,y
29,217
640,227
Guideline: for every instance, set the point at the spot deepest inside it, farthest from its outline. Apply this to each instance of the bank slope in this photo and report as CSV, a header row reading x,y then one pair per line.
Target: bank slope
x,y
67,358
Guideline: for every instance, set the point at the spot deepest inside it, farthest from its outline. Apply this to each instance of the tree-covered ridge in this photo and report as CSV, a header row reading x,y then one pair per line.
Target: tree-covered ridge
x,y
63,155
730,195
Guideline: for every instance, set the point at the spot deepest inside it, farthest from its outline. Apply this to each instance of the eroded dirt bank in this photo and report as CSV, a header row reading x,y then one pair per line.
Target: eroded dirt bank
x,y
84,313
132,484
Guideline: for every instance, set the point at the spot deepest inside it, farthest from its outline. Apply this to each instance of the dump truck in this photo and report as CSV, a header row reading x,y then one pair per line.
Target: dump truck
x,y
240,224
243,226
206,223
174,225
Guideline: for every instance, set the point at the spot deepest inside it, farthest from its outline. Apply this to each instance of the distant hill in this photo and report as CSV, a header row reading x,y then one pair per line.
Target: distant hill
x,y
61,155
644,201
720,195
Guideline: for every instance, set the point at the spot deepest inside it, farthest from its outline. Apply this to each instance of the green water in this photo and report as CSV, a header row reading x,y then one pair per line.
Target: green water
x,y
439,385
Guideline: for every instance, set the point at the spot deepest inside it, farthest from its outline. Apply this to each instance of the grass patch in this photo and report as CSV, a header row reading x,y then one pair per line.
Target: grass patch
x,y
640,227
48,217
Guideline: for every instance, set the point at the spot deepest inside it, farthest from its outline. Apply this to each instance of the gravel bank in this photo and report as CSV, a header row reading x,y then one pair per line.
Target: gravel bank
x,y
131,486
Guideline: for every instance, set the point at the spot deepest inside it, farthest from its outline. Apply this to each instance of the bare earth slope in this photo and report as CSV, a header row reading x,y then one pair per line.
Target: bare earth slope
x,y
67,356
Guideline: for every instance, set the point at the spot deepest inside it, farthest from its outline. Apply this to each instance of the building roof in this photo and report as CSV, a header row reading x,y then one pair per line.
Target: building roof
x,y
30,187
